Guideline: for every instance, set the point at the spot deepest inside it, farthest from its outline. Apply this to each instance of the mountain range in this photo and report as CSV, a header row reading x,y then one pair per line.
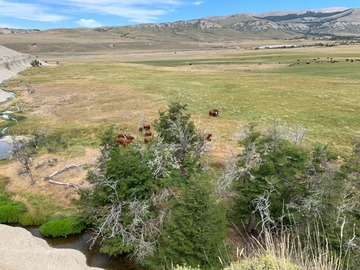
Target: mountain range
x,y
330,23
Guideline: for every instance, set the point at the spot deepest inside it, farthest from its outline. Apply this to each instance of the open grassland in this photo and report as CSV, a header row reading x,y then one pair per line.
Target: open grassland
x,y
80,98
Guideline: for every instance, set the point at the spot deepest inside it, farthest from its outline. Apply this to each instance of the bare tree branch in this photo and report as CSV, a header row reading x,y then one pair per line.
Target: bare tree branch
x,y
22,151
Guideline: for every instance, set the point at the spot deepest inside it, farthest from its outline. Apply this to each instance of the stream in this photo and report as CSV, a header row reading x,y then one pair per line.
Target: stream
x,y
93,257
5,145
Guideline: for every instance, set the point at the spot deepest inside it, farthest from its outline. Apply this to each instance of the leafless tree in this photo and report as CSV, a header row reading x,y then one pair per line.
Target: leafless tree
x,y
142,232
234,172
186,143
262,206
23,152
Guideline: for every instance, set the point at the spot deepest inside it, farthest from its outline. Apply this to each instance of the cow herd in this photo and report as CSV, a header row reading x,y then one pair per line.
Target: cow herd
x,y
125,139
328,59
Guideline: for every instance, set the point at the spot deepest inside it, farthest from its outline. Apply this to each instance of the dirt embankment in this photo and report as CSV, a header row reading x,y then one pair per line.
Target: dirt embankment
x,y
11,63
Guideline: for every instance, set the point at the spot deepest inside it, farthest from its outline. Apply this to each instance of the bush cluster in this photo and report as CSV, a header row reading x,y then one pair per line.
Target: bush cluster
x,y
62,227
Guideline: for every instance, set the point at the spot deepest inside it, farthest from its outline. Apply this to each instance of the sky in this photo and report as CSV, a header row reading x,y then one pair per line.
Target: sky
x,y
51,14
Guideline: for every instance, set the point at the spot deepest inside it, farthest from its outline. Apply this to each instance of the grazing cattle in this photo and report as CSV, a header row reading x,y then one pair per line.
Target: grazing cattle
x,y
123,141
147,139
147,133
122,135
144,127
214,112
208,137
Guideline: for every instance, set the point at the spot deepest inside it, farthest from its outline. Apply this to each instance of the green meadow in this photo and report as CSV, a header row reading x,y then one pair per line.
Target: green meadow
x,y
297,86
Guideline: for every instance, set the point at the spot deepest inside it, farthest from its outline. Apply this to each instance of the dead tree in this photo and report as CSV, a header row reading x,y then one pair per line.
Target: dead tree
x,y
23,152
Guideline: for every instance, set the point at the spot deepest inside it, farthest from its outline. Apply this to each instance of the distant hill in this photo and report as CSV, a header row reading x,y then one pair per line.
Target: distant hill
x,y
16,31
204,33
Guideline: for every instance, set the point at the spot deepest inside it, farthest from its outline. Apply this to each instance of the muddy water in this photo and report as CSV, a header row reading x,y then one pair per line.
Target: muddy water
x,y
93,257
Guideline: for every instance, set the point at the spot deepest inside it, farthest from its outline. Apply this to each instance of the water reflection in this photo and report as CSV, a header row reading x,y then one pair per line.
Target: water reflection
x,y
5,149
93,257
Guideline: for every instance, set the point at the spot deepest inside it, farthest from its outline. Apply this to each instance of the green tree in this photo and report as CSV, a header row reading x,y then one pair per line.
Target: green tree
x,y
195,230
120,206
278,182
132,185
269,165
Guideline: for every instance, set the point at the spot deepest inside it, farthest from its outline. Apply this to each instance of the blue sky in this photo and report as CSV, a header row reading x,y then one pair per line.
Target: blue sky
x,y
49,14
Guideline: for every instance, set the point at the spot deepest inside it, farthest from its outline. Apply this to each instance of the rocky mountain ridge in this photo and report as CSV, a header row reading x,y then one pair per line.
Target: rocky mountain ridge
x,y
339,21
332,21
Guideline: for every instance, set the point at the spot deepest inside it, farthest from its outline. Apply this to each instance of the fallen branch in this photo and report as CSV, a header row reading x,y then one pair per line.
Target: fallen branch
x,y
71,166
68,167
65,184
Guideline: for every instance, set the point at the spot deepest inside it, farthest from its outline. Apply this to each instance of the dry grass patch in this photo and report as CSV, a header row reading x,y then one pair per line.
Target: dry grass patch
x,y
43,166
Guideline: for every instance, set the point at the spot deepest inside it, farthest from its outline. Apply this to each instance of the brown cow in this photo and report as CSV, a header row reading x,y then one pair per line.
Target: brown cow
x,y
147,133
123,141
147,139
214,112
144,127
208,137
123,135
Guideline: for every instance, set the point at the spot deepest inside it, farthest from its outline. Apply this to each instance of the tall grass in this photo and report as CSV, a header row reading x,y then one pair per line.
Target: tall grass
x,y
288,251
10,211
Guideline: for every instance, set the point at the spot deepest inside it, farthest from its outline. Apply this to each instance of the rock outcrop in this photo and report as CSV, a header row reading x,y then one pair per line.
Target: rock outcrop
x,y
20,250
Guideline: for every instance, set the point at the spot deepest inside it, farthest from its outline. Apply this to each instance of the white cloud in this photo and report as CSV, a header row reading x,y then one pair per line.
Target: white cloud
x,y
28,12
138,11
198,3
89,23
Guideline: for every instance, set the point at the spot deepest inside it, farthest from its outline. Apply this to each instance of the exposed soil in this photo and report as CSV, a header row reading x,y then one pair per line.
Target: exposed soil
x,y
44,165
